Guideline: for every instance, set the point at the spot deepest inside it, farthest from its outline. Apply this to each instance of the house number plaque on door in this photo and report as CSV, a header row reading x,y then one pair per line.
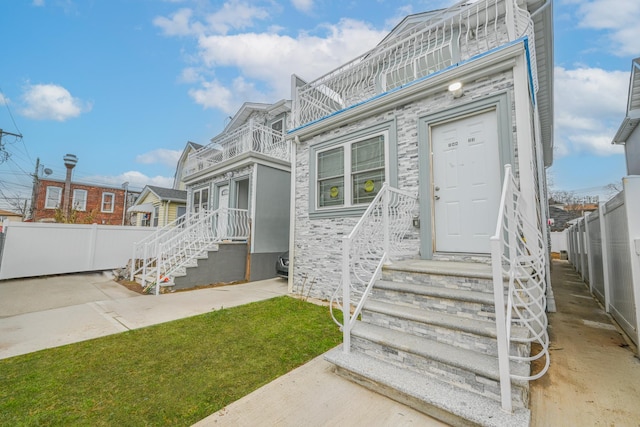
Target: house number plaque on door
x,y
453,144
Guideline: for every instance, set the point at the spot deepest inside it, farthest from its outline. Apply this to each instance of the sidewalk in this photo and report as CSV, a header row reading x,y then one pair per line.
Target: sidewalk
x,y
48,312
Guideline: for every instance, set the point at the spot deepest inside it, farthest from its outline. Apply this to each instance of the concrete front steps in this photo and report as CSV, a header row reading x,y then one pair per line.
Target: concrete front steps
x,y
427,338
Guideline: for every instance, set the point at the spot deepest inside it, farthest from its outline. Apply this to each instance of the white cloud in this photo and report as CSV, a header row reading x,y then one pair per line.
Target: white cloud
x,y
160,155
589,104
272,58
179,24
231,68
213,94
38,3
4,100
52,102
303,5
619,18
234,14
134,178
190,75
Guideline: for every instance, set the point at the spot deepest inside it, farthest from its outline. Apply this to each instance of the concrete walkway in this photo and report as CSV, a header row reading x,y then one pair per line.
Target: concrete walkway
x,y
593,380
48,312
594,376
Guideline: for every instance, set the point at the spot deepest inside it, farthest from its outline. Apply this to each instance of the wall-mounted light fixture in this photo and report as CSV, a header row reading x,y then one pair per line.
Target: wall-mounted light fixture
x,y
456,89
416,221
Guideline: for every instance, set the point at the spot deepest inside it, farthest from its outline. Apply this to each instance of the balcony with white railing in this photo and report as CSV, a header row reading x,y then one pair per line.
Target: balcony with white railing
x,y
446,38
250,138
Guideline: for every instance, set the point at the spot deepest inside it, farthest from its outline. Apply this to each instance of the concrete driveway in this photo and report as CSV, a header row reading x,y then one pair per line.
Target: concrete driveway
x,y
48,312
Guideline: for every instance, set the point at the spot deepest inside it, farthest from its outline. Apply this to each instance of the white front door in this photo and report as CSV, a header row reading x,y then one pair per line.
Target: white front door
x,y
223,196
466,183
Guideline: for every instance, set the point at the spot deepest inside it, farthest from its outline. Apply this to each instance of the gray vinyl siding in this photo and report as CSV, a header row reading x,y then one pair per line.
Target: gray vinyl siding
x,y
272,198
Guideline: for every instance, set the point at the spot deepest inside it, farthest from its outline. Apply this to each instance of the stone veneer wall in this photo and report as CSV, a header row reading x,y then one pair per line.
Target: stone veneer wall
x,y
318,242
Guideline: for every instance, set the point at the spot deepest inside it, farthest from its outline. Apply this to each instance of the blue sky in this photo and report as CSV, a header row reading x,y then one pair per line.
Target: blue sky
x,y
124,84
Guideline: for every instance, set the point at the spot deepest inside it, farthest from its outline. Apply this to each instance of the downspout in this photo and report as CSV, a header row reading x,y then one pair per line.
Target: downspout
x,y
292,212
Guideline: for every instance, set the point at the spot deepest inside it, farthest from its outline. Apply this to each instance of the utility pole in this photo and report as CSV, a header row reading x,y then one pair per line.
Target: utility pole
x,y
34,191
3,154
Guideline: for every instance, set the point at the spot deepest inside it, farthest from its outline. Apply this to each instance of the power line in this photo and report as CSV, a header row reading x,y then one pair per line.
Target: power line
x,y
13,120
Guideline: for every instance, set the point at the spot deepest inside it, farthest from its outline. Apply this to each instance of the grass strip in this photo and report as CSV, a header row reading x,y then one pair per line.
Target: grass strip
x,y
174,374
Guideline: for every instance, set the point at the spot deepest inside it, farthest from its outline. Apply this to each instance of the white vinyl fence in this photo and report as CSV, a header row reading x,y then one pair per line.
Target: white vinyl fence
x,y
559,241
40,249
604,247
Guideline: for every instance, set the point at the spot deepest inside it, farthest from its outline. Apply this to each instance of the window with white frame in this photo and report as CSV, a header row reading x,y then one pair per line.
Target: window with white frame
x,y
200,200
108,202
156,215
52,200
351,173
79,200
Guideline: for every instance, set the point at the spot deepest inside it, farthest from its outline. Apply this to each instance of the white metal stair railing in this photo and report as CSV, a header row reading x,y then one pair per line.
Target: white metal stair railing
x,y
182,248
448,37
381,234
518,256
252,137
143,256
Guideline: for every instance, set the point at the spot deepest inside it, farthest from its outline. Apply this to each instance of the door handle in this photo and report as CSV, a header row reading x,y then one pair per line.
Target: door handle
x,y
437,188
437,197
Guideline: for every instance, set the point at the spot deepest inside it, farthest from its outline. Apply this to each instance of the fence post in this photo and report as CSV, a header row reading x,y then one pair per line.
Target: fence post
x,y
583,250
605,256
92,247
587,229
346,295
631,188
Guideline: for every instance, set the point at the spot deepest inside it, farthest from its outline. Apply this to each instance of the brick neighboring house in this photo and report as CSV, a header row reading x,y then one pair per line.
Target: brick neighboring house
x,y
91,203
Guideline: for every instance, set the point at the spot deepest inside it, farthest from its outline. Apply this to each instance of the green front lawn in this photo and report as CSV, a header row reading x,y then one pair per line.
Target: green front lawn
x,y
173,374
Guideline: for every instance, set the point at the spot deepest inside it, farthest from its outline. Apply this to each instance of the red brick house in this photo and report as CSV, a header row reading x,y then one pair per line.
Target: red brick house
x,y
89,203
